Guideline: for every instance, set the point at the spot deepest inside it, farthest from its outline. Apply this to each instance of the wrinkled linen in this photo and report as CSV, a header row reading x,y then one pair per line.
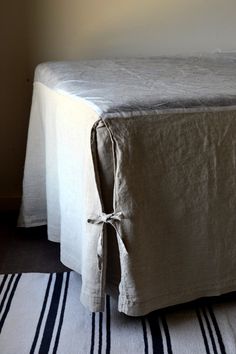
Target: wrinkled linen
x,y
131,163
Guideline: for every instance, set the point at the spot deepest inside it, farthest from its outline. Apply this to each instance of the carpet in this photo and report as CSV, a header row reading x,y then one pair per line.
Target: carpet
x,y
41,313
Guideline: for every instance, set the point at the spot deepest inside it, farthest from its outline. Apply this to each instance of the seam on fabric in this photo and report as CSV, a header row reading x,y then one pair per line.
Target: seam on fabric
x,y
115,195
94,153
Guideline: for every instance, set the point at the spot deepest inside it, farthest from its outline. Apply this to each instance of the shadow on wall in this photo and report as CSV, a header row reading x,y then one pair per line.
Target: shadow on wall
x,y
15,91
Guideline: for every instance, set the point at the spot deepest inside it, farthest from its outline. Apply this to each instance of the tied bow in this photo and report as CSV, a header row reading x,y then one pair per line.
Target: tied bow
x,y
111,219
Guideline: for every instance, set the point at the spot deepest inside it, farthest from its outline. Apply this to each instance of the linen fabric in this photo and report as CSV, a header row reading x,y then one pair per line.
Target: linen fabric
x,y
132,165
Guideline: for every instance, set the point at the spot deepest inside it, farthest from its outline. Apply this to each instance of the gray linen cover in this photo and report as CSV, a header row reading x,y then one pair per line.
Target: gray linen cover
x,y
172,126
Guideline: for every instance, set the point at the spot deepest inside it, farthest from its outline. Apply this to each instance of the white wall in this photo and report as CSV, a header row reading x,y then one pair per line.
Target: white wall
x,y
70,28
32,31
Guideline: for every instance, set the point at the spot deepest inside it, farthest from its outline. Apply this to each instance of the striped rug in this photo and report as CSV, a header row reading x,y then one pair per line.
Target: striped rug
x,y
41,313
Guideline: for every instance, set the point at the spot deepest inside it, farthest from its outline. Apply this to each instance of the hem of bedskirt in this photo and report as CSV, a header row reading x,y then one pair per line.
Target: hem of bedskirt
x,y
70,262
91,302
31,222
133,307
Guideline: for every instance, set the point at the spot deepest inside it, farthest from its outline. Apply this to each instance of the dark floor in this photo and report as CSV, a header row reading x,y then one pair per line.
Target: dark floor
x,y
26,250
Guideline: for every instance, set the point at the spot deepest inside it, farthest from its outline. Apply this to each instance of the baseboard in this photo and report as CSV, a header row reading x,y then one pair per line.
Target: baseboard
x,y
10,203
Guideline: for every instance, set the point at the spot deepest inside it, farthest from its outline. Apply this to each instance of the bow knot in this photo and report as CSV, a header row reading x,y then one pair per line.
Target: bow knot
x,y
106,218
111,219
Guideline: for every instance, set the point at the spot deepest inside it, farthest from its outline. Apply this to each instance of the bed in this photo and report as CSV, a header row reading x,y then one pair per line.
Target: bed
x,y
132,165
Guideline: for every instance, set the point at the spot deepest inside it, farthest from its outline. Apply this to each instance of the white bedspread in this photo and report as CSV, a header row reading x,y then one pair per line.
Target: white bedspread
x,y
130,86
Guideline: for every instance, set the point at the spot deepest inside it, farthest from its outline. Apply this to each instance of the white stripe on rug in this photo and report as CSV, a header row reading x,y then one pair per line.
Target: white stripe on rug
x,y
42,313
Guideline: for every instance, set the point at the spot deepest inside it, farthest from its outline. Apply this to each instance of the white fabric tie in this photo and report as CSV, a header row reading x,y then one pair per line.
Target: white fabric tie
x,y
111,219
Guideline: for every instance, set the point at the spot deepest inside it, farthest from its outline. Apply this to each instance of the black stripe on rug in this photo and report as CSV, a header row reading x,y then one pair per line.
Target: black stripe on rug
x,y
100,333
52,314
145,338
92,333
210,331
41,315
167,334
6,292
3,283
157,341
8,305
217,330
202,331
108,325
62,314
